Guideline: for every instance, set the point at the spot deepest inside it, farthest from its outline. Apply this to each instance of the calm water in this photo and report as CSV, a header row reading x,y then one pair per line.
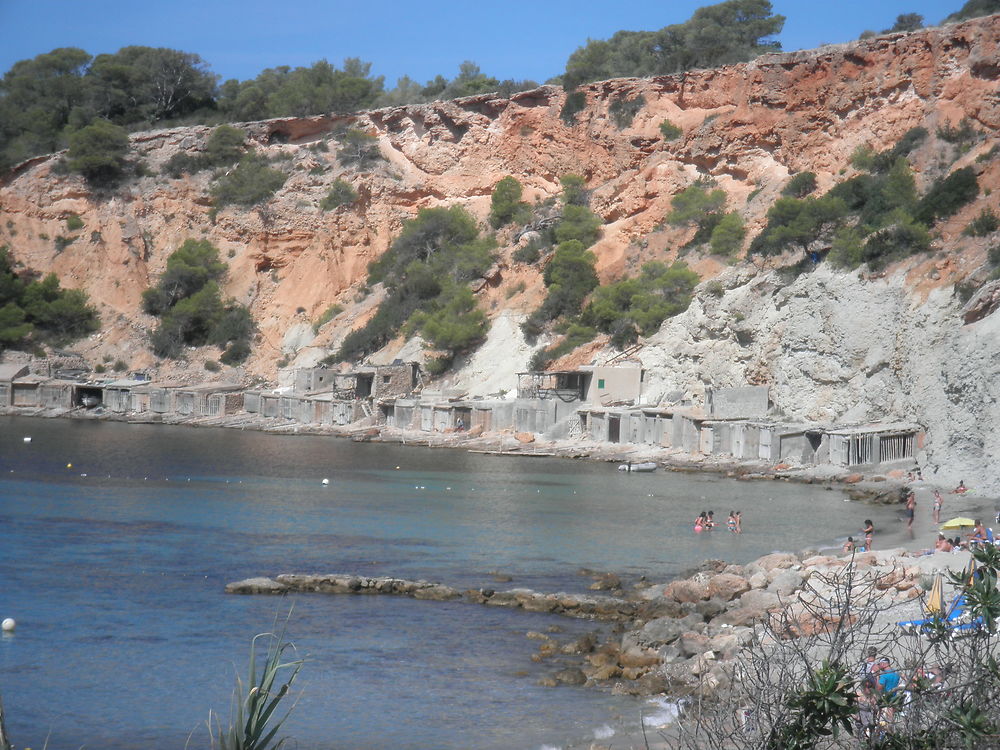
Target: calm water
x,y
114,569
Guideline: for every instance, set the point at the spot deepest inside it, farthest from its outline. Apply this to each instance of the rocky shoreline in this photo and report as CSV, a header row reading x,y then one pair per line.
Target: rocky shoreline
x,y
677,638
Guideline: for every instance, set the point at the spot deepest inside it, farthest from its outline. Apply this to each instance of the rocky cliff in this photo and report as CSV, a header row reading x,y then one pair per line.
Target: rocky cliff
x,y
844,346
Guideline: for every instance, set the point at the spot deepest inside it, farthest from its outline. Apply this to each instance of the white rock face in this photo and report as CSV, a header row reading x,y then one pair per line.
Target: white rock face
x,y
493,367
836,347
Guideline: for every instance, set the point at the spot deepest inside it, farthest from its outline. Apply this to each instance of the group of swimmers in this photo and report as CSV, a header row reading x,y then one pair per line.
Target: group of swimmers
x,y
706,522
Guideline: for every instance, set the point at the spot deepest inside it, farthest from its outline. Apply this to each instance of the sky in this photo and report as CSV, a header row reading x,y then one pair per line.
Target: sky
x,y
516,39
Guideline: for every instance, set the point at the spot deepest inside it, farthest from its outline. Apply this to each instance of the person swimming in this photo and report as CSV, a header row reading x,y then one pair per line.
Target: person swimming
x,y
701,521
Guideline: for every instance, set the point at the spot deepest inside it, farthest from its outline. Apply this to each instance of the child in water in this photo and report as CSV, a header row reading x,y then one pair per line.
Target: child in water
x,y
869,533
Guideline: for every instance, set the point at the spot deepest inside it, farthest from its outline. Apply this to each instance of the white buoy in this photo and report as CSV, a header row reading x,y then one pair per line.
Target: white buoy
x,y
27,440
8,625
326,481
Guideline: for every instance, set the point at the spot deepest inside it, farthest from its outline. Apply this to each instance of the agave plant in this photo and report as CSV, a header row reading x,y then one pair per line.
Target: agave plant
x,y
252,721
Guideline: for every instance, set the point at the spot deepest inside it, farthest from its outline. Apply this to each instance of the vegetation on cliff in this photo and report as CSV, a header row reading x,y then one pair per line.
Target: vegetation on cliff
x,y
189,304
44,100
36,311
426,273
623,309
728,32
875,217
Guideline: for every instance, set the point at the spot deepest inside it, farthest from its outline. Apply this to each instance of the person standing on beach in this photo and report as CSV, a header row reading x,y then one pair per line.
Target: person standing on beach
x,y
869,533
911,507
938,502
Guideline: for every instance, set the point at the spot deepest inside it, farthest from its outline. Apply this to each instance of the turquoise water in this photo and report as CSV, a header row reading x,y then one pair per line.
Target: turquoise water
x,y
114,568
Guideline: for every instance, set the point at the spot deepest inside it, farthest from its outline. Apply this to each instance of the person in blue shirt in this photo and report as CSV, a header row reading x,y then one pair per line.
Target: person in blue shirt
x,y
888,682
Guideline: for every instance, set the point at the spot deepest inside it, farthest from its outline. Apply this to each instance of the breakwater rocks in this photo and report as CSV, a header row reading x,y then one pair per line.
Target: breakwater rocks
x,y
680,637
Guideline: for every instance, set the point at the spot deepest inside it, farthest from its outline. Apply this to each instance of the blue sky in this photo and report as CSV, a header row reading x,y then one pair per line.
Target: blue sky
x,y
513,39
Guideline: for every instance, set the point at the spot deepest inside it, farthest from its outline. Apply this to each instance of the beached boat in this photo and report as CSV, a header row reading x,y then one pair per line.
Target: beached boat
x,y
644,466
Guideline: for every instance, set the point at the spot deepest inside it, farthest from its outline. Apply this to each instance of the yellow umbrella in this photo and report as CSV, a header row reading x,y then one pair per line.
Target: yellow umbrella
x,y
935,599
957,523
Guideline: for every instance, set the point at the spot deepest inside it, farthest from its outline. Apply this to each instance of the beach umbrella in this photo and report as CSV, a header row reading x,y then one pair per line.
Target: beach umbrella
x,y
935,599
957,523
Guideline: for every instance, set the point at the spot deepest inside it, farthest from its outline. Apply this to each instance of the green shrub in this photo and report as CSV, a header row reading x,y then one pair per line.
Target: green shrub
x,y
235,353
63,242
528,254
800,185
212,366
438,365
947,196
575,191
189,268
623,111
962,135
224,147
37,311
189,304
250,183
569,277
358,148
433,257
696,205
506,205
900,238
98,152
454,322
863,157
984,224
341,194
576,102
640,305
795,222
669,131
846,248
74,223
727,236
120,365
578,223
993,256
329,314
100,369
181,163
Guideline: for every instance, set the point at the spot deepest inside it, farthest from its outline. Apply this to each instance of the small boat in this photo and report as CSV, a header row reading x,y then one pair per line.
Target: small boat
x,y
90,402
644,466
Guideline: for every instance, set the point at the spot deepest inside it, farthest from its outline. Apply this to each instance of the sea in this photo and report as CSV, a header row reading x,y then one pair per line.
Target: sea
x,y
117,540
